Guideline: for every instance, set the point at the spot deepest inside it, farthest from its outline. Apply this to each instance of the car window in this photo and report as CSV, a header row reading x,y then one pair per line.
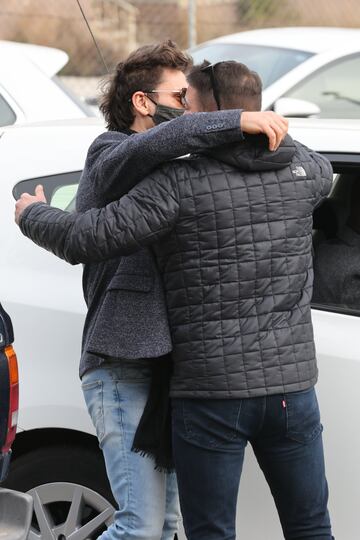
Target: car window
x,y
335,89
270,63
60,189
7,115
81,104
337,247
64,196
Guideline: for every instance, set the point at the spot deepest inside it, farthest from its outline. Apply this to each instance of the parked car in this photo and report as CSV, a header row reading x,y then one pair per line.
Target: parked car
x,y
56,454
305,71
15,507
30,90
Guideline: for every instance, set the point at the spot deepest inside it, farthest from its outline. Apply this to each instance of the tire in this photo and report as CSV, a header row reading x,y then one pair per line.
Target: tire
x,y
63,478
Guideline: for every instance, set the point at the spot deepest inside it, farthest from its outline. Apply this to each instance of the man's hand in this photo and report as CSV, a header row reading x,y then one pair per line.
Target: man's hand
x,y
27,199
268,122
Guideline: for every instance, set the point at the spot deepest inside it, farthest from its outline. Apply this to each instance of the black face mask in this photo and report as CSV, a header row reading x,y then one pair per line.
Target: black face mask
x,y
164,113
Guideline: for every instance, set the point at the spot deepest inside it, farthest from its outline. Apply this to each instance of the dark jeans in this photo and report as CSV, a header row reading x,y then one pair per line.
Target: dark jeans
x,y
209,438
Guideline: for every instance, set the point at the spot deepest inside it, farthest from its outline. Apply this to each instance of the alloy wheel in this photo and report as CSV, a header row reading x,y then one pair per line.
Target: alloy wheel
x,y
66,511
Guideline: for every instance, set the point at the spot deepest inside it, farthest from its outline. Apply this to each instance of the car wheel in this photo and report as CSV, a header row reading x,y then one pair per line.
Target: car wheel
x,y
70,490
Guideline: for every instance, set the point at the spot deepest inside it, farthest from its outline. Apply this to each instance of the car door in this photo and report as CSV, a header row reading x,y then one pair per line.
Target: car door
x,y
336,338
337,330
56,457
49,312
43,293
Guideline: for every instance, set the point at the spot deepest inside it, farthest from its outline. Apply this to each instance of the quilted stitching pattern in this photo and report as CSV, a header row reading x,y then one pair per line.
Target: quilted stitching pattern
x,y
238,278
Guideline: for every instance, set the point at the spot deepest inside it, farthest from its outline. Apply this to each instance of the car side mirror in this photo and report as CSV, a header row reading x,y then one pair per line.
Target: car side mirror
x,y
296,108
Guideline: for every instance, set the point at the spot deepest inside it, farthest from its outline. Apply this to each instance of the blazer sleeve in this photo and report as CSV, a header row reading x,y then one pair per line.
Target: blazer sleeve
x,y
118,163
136,220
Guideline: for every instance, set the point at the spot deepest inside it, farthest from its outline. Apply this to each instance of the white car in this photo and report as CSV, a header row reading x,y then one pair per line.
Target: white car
x,y
305,71
30,91
56,456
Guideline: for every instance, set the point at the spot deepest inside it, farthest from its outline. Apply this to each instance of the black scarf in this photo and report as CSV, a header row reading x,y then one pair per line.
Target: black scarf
x,y
153,434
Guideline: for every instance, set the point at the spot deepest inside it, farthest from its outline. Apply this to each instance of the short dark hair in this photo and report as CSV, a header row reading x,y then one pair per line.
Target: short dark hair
x,y
142,70
237,86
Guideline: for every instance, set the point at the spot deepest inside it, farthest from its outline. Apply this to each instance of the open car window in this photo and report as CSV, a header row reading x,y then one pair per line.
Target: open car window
x,y
60,189
336,240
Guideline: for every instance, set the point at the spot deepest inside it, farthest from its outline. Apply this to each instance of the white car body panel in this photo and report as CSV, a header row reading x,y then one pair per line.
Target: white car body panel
x,y
335,136
336,338
37,286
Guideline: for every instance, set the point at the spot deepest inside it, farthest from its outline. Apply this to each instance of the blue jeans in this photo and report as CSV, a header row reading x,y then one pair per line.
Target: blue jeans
x,y
209,438
115,396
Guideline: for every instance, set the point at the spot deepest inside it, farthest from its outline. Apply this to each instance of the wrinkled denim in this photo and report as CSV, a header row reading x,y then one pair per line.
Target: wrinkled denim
x,y
115,396
285,432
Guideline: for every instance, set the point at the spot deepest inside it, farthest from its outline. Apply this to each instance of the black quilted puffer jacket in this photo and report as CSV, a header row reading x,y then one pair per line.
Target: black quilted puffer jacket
x,y
232,234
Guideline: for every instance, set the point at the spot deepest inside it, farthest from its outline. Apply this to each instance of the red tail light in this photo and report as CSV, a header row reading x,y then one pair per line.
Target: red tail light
x,y
14,397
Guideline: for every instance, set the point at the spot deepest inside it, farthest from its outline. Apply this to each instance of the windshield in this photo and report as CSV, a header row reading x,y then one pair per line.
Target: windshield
x,y
270,63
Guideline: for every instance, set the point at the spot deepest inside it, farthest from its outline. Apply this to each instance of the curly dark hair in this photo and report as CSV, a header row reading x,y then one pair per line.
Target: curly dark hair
x,y
142,70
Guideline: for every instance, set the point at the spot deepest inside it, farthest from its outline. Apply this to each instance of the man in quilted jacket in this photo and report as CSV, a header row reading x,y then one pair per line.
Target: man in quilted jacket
x,y
231,229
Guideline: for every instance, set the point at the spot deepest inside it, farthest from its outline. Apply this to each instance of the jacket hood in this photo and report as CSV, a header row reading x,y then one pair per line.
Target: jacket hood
x,y
253,154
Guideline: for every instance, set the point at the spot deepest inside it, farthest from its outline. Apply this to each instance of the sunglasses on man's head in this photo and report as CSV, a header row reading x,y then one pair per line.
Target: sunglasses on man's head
x,y
214,85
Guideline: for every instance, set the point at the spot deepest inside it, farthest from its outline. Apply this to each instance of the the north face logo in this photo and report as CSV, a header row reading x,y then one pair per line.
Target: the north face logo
x,y
299,171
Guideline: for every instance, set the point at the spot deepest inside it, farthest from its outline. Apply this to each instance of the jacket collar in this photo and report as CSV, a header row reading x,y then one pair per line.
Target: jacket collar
x,y
253,154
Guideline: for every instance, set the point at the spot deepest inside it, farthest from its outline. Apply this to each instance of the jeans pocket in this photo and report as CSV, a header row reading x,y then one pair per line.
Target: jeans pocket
x,y
211,422
93,394
302,416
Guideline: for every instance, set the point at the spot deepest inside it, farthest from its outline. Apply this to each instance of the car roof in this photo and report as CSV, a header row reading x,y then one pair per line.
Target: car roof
x,y
47,59
310,39
327,135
